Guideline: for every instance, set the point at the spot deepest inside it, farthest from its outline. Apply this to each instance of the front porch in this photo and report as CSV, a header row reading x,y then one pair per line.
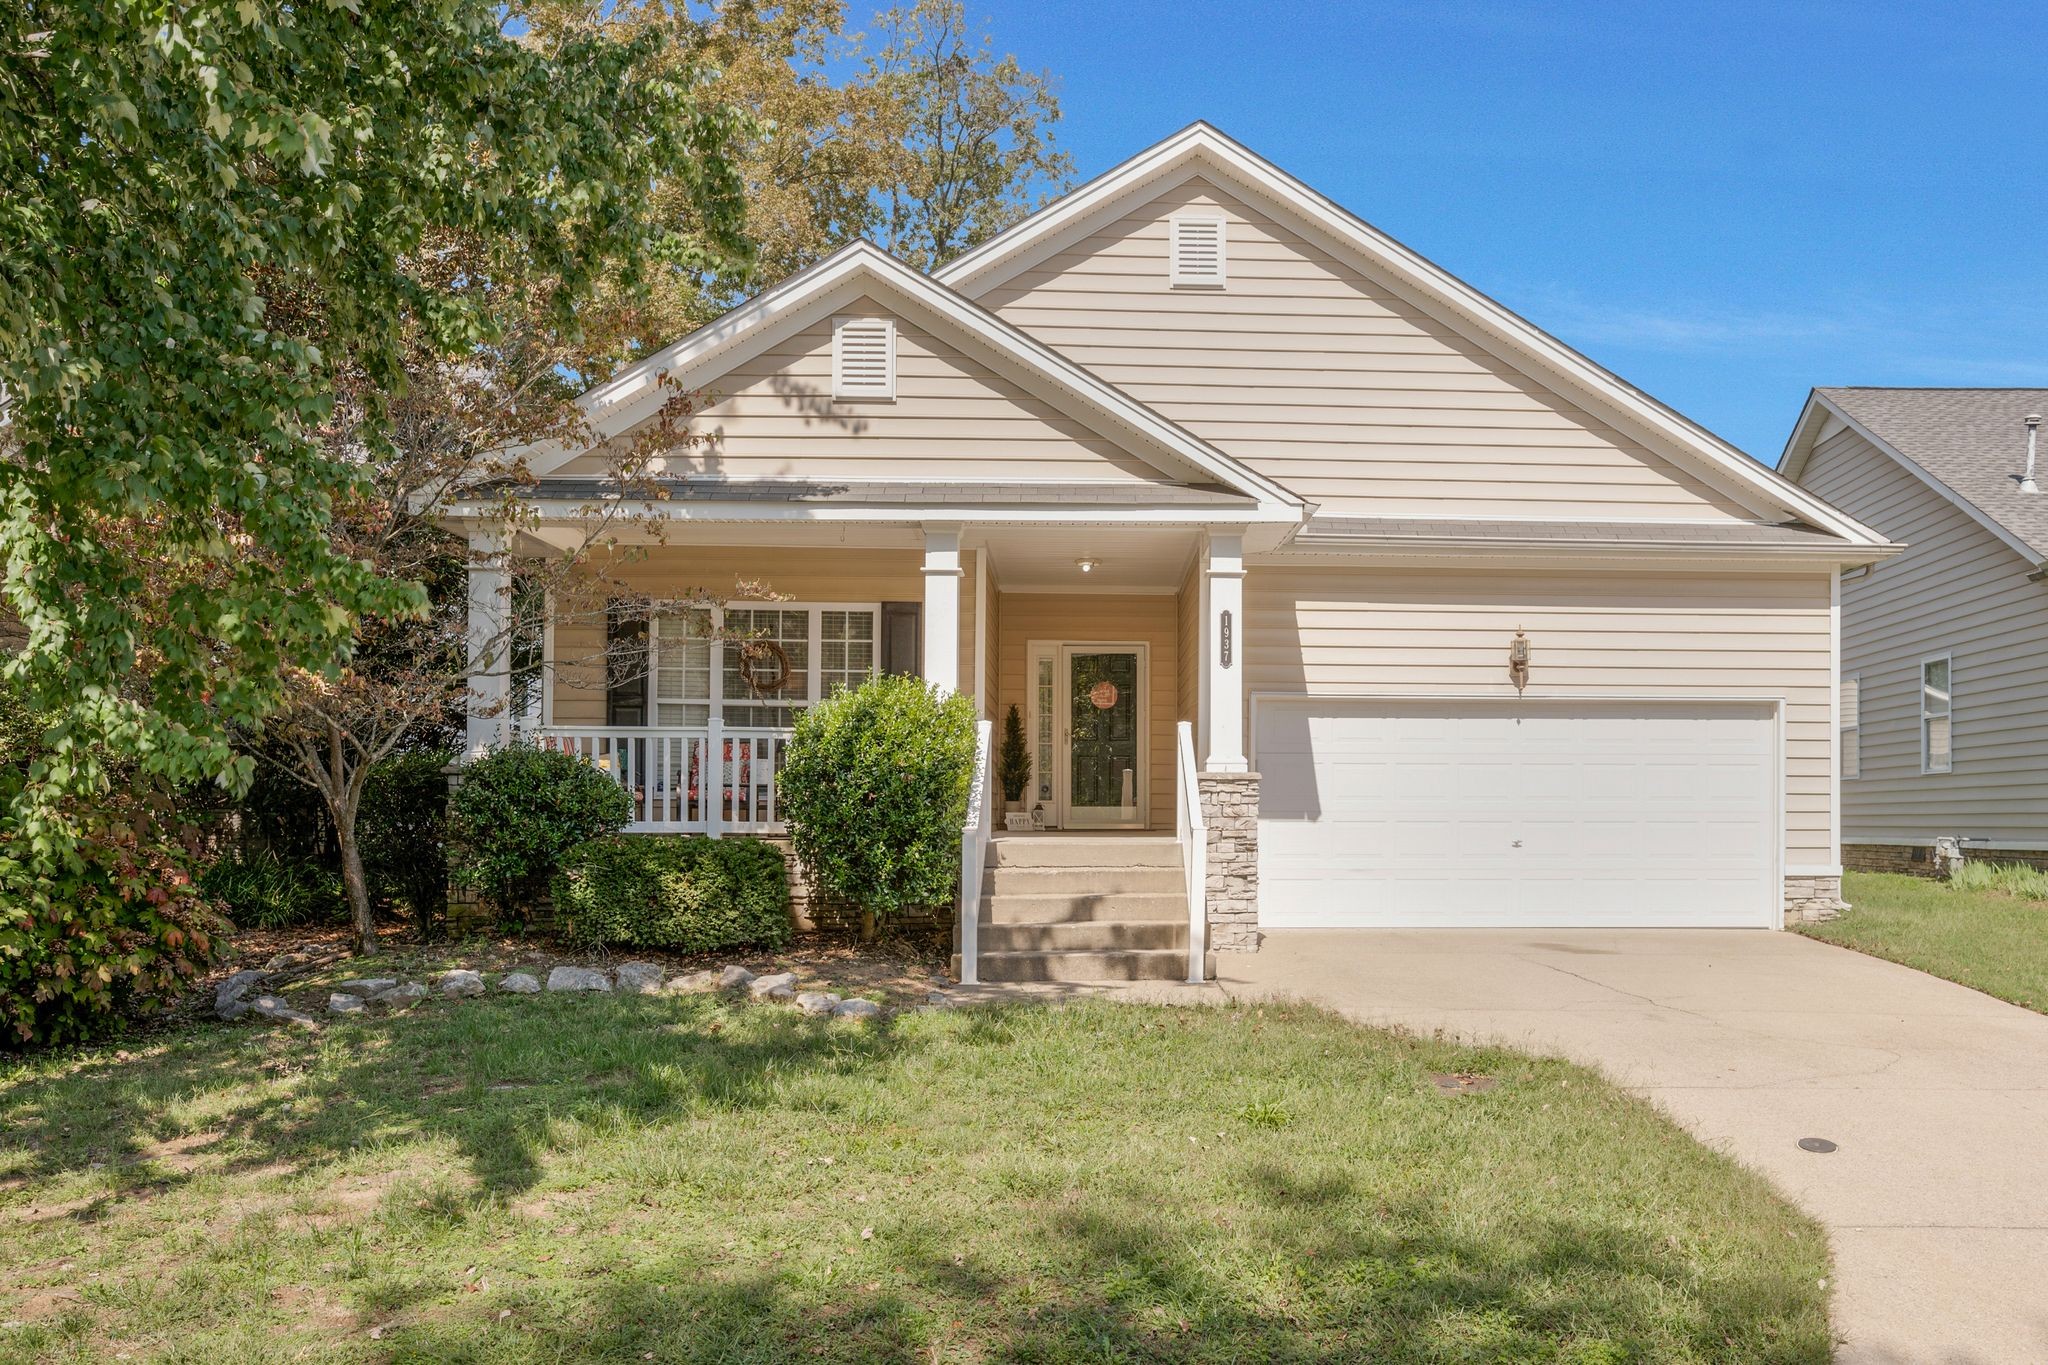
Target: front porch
x,y
1098,649
1115,644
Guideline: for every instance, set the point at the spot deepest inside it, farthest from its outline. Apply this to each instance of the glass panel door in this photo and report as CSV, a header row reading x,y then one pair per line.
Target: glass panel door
x,y
1105,737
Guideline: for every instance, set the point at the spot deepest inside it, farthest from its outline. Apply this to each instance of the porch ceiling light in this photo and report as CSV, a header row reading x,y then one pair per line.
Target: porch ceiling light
x,y
1086,565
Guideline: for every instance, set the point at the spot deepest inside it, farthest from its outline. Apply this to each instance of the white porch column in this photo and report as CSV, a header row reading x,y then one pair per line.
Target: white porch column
x,y
1222,681
942,609
490,644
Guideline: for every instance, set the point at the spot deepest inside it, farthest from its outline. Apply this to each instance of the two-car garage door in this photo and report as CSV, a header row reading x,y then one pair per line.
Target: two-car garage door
x,y
1537,813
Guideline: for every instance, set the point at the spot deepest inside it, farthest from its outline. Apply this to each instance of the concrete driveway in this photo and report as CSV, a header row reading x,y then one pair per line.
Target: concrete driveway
x,y
1937,1199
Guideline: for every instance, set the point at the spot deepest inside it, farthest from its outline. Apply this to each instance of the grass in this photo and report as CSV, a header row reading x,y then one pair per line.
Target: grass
x,y
696,1179
1989,940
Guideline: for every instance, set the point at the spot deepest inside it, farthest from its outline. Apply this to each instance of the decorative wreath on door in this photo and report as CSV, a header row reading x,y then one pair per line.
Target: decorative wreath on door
x,y
764,666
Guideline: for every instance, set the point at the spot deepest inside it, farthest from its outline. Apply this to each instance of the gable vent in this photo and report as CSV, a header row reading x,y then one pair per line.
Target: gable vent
x,y
863,358
1198,250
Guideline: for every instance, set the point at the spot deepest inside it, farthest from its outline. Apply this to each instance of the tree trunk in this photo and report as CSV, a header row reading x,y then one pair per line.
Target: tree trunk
x,y
343,791
357,884
867,926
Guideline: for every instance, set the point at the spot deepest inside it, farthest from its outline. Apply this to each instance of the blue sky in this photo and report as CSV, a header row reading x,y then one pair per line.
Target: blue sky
x,y
1727,204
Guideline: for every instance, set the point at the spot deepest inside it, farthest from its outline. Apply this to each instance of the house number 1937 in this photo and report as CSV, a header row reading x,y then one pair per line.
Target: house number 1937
x,y
1226,639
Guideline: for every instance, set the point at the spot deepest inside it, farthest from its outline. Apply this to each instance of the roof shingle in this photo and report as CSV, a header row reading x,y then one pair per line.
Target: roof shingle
x,y
1703,533
906,494
1970,440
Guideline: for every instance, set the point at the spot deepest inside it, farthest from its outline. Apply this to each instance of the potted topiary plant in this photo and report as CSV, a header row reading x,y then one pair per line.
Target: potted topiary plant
x,y
1013,772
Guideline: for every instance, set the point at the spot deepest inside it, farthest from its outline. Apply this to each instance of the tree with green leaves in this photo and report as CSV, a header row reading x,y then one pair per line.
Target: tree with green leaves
x,y
916,135
217,241
971,135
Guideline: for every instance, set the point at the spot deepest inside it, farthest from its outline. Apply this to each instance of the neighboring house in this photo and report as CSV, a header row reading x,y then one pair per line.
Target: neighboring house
x,y
1945,648
1246,506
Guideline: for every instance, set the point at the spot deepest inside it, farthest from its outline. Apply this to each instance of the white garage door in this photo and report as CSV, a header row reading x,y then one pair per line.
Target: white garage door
x,y
1377,813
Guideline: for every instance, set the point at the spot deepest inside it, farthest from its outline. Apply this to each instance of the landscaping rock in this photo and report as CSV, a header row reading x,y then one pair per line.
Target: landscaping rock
x,y
520,983
732,978
640,978
856,1009
401,996
367,986
285,962
816,1002
941,999
692,983
227,997
780,986
460,981
342,1002
578,979
276,1007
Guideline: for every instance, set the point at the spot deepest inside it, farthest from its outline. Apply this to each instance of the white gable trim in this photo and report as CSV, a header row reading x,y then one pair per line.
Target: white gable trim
x,y
612,408
1480,319
1821,417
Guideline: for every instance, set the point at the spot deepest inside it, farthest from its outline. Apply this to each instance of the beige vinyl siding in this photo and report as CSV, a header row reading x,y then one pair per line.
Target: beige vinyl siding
x,y
1327,381
1341,631
1150,618
774,416
803,574
1957,590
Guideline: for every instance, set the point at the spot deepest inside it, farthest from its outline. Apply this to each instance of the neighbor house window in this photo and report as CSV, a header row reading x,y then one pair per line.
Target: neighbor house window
x,y
1850,720
1197,249
811,651
1937,716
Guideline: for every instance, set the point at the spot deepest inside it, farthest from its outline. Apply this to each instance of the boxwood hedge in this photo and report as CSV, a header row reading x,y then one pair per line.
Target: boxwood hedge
x,y
689,894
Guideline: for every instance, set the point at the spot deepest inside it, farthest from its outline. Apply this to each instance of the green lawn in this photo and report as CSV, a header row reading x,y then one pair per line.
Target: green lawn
x,y
1987,940
692,1179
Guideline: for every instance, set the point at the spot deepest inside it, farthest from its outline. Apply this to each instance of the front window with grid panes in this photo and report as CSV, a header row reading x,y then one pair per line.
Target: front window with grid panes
x,y
825,648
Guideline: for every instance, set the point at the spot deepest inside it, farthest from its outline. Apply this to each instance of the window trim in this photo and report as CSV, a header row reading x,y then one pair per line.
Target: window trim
x,y
1947,660
814,673
887,392
1178,280
1844,730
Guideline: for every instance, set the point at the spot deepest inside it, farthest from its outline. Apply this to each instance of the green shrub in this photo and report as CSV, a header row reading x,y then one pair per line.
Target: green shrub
x,y
98,918
875,790
264,891
2010,879
690,894
517,811
401,830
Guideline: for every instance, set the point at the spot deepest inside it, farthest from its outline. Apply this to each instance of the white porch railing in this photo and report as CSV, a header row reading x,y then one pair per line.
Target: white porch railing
x,y
974,835
1193,832
676,786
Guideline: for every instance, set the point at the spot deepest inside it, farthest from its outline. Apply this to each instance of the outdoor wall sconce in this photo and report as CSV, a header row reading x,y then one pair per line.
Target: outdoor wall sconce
x,y
1518,660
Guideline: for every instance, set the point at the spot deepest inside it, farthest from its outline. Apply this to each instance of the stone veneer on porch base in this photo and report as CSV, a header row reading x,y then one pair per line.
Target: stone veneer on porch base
x,y
1230,807
1813,900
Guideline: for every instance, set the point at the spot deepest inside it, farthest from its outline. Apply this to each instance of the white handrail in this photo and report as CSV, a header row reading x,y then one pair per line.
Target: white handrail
x,y
686,779
1193,832
974,834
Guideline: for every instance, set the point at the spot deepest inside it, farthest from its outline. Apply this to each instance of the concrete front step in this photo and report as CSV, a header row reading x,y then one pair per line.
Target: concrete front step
x,y
1075,909
1115,965
1085,936
1081,881
1077,850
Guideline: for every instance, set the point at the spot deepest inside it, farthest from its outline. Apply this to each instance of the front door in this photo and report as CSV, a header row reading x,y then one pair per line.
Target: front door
x,y
1102,736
